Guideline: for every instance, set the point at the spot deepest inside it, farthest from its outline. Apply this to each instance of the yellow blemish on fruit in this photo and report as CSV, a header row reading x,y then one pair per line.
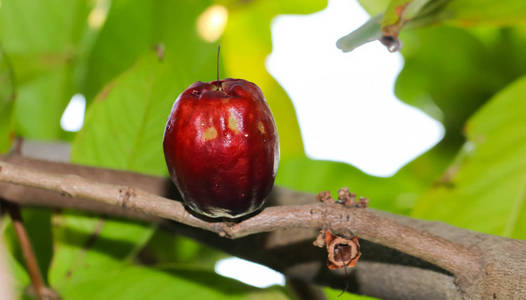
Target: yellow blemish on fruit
x,y
233,123
261,127
209,134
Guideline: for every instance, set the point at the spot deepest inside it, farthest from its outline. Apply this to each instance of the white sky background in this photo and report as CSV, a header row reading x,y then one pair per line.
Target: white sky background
x,y
344,102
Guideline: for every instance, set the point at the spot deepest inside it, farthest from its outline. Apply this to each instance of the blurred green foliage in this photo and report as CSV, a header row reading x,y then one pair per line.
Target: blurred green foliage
x,y
479,64
450,73
42,40
485,188
132,58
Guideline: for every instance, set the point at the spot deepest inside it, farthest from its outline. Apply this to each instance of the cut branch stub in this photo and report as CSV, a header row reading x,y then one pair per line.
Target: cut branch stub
x,y
341,251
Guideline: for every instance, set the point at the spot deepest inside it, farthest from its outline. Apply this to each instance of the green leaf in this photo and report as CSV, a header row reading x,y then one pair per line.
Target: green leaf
x,y
374,7
462,72
485,189
87,246
140,25
483,12
125,19
122,281
124,126
7,99
92,261
42,39
167,248
478,65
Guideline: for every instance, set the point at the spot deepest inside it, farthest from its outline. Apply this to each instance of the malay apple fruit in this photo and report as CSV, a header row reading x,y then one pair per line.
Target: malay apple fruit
x,y
221,147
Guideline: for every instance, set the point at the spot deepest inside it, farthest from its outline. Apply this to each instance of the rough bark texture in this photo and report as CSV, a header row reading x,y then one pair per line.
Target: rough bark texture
x,y
472,265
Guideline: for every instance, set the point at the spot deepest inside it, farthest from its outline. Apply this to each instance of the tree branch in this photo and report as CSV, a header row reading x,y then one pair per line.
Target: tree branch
x,y
340,219
459,251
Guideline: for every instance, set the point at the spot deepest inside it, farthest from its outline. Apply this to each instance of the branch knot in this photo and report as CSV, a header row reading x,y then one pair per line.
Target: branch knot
x,y
125,195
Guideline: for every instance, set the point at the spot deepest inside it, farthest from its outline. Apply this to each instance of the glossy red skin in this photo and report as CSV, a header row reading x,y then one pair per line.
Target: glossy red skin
x,y
222,148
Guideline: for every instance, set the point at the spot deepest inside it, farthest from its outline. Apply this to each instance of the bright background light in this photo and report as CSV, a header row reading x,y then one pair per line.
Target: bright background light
x,y
211,23
73,116
344,101
248,272
98,14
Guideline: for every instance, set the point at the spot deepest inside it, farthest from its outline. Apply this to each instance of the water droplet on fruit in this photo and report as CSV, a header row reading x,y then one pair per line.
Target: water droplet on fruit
x,y
246,134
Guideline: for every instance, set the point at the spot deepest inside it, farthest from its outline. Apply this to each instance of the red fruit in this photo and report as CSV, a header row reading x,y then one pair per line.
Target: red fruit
x,y
221,147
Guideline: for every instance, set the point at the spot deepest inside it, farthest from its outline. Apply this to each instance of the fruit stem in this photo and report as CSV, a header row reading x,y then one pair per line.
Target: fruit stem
x,y
217,68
